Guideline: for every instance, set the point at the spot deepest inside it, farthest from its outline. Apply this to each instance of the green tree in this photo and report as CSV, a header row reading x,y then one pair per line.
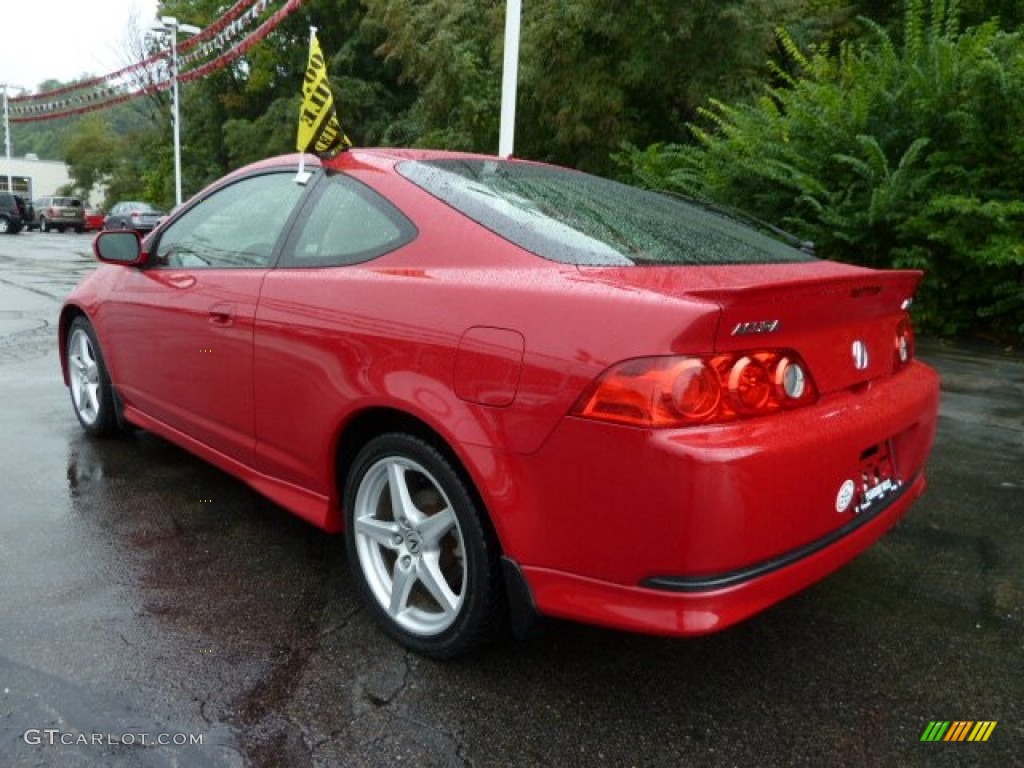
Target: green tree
x,y
448,50
886,155
44,138
93,153
593,73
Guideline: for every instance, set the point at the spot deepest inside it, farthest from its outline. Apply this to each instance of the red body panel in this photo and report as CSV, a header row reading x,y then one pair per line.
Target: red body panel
x,y
181,345
261,371
670,613
93,220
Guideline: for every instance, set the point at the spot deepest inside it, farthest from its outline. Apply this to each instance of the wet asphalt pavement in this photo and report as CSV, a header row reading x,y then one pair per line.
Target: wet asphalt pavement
x,y
146,596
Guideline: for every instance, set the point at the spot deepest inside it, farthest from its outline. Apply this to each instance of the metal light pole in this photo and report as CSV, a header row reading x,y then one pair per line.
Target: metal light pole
x,y
510,78
7,140
170,26
7,132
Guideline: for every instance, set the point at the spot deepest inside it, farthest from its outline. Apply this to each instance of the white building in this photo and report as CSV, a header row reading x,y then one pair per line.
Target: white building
x,y
32,177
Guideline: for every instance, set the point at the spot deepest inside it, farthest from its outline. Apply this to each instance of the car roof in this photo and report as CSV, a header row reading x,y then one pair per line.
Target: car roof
x,y
374,158
371,156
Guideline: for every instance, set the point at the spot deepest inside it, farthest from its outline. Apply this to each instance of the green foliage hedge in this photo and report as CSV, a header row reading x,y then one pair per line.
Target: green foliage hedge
x,y
887,155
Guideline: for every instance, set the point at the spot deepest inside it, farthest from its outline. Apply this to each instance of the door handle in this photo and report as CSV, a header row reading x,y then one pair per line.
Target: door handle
x,y
222,315
182,281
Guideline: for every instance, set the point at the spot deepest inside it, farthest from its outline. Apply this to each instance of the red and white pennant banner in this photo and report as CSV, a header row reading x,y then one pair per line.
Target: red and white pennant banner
x,y
244,25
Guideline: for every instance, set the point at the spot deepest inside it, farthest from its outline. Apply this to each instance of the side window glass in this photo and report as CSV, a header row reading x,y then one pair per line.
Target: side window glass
x,y
348,223
236,227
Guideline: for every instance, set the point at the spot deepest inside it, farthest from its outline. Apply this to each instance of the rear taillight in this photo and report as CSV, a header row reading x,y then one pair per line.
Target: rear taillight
x,y
680,391
135,216
903,344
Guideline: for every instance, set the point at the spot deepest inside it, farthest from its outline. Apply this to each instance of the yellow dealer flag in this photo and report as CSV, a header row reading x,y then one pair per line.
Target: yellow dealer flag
x,y
319,130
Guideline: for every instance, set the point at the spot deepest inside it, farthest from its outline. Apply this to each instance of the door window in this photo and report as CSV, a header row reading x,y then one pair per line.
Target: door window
x,y
238,226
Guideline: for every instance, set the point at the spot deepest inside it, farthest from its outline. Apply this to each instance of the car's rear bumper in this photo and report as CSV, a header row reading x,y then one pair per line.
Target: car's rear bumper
x,y
687,531
670,605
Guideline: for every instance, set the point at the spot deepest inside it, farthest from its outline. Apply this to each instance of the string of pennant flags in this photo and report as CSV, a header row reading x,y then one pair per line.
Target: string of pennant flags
x,y
319,130
223,31
244,25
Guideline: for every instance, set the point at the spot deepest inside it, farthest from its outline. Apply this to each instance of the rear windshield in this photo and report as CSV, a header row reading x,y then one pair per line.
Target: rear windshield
x,y
574,218
67,202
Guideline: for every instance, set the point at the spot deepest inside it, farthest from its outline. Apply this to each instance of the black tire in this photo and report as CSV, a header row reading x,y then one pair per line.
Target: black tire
x,y
92,394
5,225
437,542
61,229
79,230
44,225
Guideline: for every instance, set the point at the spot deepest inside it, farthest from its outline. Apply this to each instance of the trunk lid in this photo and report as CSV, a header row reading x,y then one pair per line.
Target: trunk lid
x,y
842,320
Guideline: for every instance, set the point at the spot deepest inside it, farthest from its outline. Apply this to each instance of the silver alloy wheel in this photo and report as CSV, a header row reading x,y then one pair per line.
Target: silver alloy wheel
x,y
85,376
410,546
44,225
5,225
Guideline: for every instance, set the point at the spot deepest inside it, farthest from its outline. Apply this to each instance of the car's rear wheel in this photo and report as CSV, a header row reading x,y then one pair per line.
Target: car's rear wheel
x,y
79,230
5,225
418,548
91,392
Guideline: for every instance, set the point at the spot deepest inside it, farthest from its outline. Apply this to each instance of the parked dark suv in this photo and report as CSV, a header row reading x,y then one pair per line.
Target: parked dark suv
x,y
58,213
12,213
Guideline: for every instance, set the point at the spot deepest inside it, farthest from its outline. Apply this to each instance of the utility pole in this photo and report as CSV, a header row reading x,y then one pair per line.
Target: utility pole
x,y
510,78
7,131
169,25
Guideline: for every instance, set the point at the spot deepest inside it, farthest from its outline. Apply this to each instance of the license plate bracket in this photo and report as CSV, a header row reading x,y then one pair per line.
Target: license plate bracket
x,y
879,480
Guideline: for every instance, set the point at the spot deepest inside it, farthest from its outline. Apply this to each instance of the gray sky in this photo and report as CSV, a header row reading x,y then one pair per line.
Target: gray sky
x,y
64,39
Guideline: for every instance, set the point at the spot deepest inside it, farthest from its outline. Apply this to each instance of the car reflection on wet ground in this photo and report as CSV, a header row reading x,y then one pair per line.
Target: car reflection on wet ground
x,y
145,594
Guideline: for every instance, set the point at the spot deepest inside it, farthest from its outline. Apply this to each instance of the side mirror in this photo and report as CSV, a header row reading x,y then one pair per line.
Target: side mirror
x,y
120,247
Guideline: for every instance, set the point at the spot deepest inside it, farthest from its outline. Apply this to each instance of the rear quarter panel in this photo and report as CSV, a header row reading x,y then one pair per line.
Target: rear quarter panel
x,y
331,342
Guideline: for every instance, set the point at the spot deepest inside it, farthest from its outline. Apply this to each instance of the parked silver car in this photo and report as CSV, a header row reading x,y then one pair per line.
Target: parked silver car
x,y
141,217
59,213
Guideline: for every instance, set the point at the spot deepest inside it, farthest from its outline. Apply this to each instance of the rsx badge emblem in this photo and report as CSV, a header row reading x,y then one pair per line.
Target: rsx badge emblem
x,y
860,355
757,326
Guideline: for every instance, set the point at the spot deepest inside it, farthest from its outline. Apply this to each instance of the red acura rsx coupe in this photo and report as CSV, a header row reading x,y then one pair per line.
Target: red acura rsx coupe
x,y
520,390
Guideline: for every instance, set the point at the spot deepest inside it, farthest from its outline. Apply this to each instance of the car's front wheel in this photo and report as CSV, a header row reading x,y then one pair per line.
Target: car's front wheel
x,y
425,563
5,225
91,392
